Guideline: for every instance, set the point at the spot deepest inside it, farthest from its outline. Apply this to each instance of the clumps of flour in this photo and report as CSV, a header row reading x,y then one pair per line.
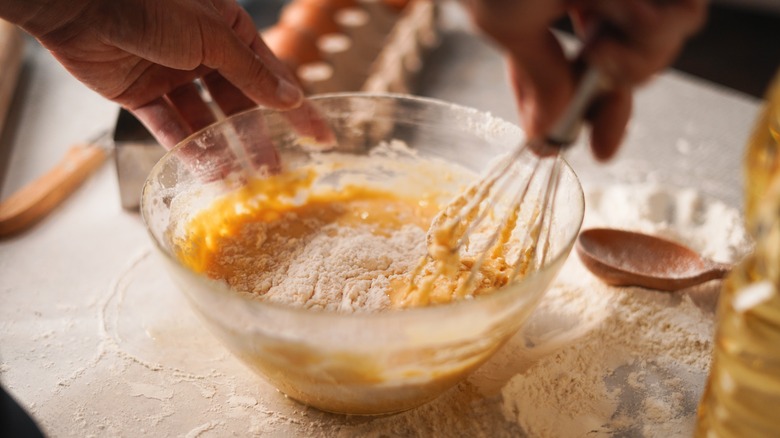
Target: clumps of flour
x,y
337,268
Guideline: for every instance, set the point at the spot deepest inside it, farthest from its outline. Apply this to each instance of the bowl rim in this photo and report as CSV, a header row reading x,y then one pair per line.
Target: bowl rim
x,y
385,314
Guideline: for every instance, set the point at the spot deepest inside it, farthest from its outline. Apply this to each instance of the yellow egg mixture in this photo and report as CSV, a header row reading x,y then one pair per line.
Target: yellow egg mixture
x,y
269,224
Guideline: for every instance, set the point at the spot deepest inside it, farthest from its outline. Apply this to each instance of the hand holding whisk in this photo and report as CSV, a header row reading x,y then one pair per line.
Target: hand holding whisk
x,y
470,251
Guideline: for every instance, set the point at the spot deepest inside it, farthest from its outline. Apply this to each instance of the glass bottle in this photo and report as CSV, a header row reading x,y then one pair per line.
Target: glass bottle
x,y
742,395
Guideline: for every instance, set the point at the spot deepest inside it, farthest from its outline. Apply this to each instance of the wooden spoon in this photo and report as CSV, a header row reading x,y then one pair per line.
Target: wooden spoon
x,y
625,258
11,60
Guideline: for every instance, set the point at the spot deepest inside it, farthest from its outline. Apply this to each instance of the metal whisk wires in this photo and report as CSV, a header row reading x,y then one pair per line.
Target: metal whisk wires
x,y
520,191
508,212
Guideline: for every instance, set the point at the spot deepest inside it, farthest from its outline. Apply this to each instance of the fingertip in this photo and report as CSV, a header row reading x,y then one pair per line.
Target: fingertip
x,y
163,121
290,95
609,121
312,129
603,151
605,141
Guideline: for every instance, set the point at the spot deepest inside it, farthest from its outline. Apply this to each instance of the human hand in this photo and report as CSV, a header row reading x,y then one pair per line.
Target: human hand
x,y
627,40
146,54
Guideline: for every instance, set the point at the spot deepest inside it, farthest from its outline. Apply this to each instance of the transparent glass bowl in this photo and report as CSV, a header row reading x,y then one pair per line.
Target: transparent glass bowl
x,y
357,363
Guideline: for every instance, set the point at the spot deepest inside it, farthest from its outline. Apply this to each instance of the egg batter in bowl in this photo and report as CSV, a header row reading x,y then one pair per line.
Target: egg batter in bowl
x,y
350,247
304,272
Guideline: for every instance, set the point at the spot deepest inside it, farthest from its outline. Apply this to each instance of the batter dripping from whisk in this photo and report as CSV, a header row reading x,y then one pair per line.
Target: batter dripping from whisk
x,y
444,273
450,267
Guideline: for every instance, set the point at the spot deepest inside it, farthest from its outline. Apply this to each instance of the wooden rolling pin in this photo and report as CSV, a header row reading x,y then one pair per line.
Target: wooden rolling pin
x,y
11,54
37,199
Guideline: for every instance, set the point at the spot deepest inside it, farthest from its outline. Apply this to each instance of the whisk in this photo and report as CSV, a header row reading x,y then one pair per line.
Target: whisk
x,y
534,185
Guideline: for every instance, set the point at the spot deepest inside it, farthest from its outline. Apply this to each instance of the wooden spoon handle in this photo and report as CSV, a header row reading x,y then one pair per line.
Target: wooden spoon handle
x,y
35,200
11,56
720,270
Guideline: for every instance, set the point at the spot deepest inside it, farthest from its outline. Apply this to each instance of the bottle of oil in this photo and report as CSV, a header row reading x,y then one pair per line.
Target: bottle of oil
x,y
742,396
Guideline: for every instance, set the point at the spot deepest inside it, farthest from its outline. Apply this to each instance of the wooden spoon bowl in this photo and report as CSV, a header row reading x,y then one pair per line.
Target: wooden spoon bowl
x,y
627,258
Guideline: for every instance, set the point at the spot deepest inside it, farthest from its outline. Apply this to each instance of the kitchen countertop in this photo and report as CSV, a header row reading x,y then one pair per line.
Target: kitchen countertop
x,y
85,352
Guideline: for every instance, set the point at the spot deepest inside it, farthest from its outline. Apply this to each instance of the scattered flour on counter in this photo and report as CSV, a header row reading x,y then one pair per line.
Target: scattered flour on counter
x,y
604,377
202,429
156,392
625,361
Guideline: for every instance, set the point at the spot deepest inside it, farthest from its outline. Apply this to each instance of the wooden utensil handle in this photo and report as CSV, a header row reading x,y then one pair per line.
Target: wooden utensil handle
x,y
35,200
11,55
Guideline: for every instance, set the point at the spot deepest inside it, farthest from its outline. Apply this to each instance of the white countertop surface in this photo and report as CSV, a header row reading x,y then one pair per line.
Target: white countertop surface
x,y
96,341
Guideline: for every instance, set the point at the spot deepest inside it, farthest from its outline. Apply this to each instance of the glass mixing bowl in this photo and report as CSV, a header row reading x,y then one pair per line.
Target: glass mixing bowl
x,y
355,363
